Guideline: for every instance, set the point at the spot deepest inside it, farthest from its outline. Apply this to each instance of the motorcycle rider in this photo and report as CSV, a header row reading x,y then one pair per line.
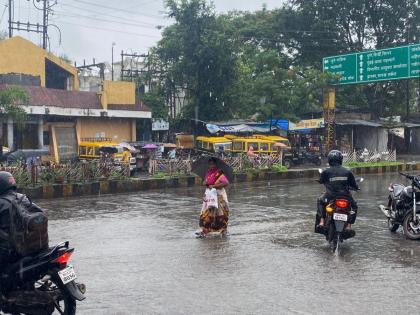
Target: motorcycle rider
x,y
338,181
7,187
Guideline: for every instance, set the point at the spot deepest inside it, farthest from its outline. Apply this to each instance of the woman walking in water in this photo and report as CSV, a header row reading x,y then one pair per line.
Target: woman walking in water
x,y
214,213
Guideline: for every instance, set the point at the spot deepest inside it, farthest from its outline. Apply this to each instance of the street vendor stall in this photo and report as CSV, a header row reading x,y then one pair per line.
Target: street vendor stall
x,y
308,135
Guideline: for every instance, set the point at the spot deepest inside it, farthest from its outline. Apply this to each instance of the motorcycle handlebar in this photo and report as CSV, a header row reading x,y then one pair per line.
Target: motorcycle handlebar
x,y
410,177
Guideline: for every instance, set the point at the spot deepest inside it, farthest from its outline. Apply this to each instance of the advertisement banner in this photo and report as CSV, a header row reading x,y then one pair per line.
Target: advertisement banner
x,y
307,124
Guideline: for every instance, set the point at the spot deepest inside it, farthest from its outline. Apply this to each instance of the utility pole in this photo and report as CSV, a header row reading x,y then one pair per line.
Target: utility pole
x,y
100,65
10,19
132,73
32,27
45,24
112,62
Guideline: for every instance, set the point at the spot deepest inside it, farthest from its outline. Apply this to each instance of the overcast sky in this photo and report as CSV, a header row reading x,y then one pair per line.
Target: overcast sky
x,y
89,27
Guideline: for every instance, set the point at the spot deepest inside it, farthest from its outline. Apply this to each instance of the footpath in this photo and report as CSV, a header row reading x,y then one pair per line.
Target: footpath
x,y
144,184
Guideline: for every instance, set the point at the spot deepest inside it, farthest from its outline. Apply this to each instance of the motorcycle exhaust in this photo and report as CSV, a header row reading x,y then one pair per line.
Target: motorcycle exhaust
x,y
385,211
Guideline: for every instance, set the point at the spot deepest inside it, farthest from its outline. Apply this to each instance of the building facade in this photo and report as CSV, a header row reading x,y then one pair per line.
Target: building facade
x,y
59,114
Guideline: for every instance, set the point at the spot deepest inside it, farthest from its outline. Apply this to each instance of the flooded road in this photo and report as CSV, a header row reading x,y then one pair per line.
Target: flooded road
x,y
137,254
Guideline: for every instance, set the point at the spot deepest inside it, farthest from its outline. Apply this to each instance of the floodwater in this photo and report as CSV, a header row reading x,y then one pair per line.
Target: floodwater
x,y
137,254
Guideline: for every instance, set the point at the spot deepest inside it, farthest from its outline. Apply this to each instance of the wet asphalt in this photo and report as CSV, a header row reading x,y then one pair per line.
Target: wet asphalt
x,y
137,254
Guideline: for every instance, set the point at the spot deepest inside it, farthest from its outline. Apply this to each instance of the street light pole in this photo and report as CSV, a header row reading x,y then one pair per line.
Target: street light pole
x,y
112,62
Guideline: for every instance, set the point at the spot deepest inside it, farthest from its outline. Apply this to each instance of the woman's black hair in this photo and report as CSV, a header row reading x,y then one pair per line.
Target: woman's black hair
x,y
213,160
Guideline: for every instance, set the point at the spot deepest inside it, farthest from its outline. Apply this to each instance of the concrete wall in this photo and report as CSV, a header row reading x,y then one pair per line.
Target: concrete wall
x,y
18,55
115,128
120,92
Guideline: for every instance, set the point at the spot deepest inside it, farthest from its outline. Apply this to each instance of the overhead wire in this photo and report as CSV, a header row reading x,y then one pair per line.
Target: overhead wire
x,y
105,14
107,29
100,5
4,11
78,16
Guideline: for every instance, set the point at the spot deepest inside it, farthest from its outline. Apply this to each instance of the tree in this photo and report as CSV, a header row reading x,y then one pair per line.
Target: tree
x,y
330,27
11,101
155,100
198,57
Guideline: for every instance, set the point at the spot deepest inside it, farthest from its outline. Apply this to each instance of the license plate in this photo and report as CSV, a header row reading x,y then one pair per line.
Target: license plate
x,y
67,275
340,217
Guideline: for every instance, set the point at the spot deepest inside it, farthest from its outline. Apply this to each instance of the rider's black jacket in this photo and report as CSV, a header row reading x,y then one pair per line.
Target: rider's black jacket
x,y
5,248
338,181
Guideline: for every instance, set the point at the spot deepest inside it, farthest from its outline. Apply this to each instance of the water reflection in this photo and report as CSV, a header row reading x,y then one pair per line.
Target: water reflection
x,y
137,253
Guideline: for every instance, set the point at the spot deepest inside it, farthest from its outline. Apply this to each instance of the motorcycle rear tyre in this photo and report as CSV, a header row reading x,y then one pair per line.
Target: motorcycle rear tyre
x,y
69,301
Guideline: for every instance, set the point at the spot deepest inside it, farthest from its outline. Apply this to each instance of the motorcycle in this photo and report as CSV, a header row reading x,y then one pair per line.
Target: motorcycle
x,y
41,284
402,207
339,214
300,158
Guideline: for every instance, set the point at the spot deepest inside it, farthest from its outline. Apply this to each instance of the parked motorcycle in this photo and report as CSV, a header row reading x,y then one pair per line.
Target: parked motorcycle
x,y
41,284
300,158
402,207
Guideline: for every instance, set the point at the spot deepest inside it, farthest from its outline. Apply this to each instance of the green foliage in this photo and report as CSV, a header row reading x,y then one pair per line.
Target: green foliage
x,y
199,56
371,164
279,168
328,27
11,101
269,62
159,175
155,100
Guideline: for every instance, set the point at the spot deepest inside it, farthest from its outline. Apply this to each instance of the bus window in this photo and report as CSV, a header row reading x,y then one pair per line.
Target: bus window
x,y
82,150
238,146
264,147
254,145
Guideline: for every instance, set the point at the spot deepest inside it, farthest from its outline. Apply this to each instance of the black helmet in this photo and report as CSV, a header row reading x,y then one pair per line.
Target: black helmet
x,y
7,182
335,158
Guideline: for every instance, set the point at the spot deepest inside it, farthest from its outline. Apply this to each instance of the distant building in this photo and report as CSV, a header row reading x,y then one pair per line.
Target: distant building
x,y
60,113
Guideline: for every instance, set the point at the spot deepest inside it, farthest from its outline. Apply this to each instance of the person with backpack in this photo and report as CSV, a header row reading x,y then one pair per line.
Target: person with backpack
x,y
23,225
7,188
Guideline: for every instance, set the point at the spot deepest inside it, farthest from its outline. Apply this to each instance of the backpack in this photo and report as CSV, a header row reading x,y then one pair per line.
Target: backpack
x,y
28,226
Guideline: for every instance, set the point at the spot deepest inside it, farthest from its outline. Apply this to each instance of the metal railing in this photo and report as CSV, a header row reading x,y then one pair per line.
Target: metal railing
x,y
238,163
80,172
369,156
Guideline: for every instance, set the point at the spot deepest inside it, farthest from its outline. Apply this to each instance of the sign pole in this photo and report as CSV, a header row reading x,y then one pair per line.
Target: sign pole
x,y
329,116
408,99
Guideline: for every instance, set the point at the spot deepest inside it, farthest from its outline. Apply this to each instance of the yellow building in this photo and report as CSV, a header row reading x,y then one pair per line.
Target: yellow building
x,y
60,115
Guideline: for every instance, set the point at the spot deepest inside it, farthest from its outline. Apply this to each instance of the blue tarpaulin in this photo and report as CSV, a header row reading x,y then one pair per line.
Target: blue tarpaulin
x,y
281,124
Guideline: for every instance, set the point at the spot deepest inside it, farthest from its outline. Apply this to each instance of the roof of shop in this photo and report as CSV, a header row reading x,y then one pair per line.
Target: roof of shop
x,y
359,122
41,96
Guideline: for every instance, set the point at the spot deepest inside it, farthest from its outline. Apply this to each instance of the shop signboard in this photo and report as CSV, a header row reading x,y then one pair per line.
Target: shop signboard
x,y
307,124
160,125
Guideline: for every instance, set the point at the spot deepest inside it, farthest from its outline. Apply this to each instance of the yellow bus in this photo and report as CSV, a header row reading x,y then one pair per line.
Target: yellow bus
x,y
213,144
277,139
90,150
263,146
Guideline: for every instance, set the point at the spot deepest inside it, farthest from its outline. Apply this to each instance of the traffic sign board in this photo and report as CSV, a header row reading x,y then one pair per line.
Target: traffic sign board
x,y
376,65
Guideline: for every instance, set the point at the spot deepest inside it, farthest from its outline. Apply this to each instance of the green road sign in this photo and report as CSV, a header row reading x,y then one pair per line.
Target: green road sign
x,y
376,65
